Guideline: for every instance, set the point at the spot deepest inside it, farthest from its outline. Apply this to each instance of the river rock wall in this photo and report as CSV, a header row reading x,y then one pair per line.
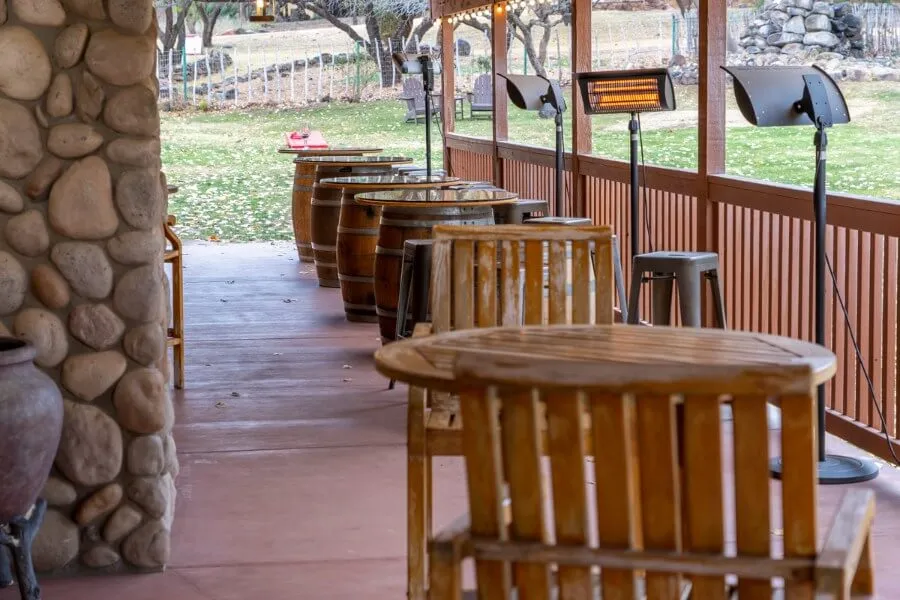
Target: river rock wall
x,y
82,203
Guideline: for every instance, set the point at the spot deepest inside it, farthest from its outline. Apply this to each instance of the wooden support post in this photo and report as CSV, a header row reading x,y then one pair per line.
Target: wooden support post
x,y
448,88
713,21
581,124
501,111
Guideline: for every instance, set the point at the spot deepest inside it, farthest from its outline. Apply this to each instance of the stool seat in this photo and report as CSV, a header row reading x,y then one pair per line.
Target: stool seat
x,y
559,221
519,211
665,259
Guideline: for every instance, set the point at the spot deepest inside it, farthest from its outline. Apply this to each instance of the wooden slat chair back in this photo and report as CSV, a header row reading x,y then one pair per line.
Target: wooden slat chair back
x,y
414,96
651,509
484,277
497,276
481,98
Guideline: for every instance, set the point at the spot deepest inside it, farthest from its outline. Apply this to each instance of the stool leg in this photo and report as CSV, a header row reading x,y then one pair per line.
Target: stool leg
x,y
421,287
406,271
713,277
689,290
634,315
178,319
620,279
661,299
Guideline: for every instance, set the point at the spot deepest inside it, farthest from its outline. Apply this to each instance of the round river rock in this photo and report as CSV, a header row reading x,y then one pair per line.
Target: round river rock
x,y
13,284
25,69
48,334
90,451
49,287
20,139
81,205
85,267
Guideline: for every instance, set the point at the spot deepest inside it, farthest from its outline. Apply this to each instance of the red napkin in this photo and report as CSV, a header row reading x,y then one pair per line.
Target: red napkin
x,y
315,140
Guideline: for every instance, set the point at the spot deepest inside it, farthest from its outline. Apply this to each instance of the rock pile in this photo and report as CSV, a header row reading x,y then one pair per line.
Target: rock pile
x,y
791,26
81,206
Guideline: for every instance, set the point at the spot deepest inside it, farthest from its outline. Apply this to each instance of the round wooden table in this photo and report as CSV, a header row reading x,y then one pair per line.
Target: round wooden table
x,y
409,215
302,190
357,237
609,357
316,220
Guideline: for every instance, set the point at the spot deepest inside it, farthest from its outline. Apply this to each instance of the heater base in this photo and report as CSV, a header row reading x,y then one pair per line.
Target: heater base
x,y
836,469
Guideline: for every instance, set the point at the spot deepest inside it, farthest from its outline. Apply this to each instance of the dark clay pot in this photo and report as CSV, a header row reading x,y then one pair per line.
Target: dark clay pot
x,y
31,418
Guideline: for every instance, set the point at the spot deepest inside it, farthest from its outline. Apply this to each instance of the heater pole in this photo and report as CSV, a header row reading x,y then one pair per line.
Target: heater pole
x,y
635,187
428,84
560,201
819,204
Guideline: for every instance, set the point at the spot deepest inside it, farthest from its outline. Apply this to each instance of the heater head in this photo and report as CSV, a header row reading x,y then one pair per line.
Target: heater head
x,y
781,96
415,64
531,92
635,91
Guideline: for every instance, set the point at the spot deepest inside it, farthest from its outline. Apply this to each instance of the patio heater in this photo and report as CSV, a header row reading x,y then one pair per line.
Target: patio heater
x,y
532,92
423,65
784,96
635,91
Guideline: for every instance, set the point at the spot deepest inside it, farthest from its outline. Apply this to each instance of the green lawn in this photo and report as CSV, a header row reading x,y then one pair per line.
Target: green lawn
x,y
235,187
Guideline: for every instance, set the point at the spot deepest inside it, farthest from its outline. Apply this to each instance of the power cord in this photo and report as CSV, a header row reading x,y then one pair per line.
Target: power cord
x,y
644,185
862,364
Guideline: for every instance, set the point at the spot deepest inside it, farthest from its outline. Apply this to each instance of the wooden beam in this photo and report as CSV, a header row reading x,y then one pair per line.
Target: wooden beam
x,y
581,123
448,87
713,21
501,111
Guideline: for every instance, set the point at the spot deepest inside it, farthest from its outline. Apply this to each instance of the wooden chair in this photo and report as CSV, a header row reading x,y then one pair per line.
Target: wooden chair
x,y
481,98
469,290
662,493
175,337
414,96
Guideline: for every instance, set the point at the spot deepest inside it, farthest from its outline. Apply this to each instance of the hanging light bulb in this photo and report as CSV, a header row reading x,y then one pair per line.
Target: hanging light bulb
x,y
499,9
262,13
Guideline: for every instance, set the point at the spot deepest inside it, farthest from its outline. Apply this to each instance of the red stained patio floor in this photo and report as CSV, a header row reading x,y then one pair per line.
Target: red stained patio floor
x,y
292,450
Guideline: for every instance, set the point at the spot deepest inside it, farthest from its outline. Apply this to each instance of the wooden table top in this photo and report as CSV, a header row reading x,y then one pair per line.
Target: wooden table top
x,y
431,198
354,161
330,151
610,358
372,183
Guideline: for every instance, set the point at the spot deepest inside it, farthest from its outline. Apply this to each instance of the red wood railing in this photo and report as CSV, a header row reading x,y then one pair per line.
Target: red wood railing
x,y
763,234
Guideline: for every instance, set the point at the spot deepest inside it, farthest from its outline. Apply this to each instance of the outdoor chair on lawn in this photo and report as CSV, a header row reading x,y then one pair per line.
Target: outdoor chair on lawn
x,y
481,98
414,96
656,488
545,276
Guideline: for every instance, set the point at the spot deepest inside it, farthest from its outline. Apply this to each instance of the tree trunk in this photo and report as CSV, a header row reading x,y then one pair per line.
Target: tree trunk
x,y
209,23
172,36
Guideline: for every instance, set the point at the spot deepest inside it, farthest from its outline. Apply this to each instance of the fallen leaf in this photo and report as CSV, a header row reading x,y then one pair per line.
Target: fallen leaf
x,y
348,366
220,404
235,395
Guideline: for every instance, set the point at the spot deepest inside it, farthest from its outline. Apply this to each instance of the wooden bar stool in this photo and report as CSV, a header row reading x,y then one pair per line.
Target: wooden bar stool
x,y
175,334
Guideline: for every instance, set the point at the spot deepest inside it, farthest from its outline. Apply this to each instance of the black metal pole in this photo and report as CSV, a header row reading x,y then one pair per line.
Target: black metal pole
x,y
428,84
560,200
819,204
635,187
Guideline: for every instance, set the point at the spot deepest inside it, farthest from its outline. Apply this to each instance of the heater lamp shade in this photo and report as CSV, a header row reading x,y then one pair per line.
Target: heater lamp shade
x,y
777,96
414,64
635,91
528,92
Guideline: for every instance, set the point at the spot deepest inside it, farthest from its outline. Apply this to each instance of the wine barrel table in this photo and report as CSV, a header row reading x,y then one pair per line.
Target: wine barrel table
x,y
325,205
409,215
357,237
304,175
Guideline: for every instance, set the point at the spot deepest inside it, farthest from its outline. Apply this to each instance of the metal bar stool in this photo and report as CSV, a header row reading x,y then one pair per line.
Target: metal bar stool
x,y
687,270
519,211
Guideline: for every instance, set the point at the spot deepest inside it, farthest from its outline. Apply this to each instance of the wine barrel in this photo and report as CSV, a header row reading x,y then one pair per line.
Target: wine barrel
x,y
357,236
325,211
304,175
399,224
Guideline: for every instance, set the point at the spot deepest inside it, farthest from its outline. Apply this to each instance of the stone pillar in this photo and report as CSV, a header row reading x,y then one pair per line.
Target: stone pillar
x,y
81,273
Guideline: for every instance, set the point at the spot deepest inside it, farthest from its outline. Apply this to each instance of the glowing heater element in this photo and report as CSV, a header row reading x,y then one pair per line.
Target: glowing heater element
x,y
635,91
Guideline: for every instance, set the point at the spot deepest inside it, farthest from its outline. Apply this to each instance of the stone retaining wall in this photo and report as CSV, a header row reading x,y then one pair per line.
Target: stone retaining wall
x,y
81,208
